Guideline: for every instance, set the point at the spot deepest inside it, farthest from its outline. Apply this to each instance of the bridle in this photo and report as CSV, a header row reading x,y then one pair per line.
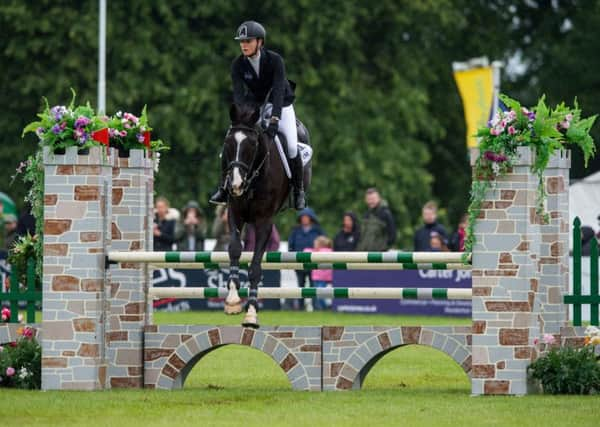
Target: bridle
x,y
247,181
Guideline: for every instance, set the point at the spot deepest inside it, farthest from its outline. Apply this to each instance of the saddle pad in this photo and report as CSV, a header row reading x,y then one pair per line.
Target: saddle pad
x,y
304,151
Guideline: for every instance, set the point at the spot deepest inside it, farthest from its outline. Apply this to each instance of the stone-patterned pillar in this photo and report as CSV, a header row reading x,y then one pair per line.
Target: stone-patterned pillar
x,y
132,202
505,279
554,255
77,194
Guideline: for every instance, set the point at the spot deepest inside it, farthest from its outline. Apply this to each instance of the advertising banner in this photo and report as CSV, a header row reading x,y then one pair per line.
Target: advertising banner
x,y
403,279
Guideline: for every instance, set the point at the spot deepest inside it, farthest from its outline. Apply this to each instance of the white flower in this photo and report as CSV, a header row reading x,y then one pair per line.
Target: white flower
x,y
119,114
24,373
592,331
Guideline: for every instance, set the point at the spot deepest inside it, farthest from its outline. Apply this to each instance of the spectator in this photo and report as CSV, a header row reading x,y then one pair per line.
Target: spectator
x,y
164,228
437,243
457,239
348,237
378,230
191,231
220,229
423,234
321,278
10,230
26,222
249,239
587,234
303,236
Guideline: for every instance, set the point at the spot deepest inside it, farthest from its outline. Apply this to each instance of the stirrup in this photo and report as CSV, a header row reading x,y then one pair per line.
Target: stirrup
x,y
219,198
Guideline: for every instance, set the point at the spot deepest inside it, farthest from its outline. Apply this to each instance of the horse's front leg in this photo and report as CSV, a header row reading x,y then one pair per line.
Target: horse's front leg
x,y
263,234
233,302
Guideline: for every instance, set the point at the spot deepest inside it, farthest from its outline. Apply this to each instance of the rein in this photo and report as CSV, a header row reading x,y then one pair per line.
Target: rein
x,y
255,170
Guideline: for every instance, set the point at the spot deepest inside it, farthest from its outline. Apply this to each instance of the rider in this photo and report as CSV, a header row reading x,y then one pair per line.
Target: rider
x,y
256,74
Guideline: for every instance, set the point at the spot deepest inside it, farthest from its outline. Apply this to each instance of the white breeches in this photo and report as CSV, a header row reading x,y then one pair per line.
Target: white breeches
x,y
287,126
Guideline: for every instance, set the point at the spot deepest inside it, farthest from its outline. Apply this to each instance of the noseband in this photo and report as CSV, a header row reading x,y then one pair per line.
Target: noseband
x,y
242,165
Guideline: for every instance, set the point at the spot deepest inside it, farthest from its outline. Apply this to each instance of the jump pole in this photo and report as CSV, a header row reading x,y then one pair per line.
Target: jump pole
x,y
343,293
294,257
313,266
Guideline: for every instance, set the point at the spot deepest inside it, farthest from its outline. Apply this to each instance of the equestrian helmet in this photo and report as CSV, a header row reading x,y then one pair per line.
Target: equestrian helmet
x,y
250,30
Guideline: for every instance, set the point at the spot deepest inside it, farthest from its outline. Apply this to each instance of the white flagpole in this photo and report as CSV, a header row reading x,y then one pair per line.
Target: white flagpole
x,y
102,58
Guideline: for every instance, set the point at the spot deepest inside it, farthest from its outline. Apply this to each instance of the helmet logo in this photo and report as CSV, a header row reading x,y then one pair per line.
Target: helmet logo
x,y
243,31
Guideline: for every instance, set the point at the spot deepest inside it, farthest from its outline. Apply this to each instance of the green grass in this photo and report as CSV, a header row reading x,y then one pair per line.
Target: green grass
x,y
235,385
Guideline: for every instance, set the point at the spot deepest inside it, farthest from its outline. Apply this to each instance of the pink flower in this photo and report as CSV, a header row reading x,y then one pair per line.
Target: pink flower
x,y
494,131
565,124
511,116
123,133
549,339
569,117
5,311
28,332
10,371
511,130
4,318
536,341
503,123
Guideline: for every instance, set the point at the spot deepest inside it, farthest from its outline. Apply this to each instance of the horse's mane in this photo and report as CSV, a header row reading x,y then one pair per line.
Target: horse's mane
x,y
245,115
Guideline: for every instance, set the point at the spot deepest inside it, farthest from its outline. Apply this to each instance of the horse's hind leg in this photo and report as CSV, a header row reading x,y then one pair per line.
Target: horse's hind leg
x,y
233,302
263,234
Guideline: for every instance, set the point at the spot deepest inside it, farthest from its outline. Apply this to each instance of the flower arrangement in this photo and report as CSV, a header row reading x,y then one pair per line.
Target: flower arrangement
x,y
67,126
62,126
21,361
568,370
544,129
127,131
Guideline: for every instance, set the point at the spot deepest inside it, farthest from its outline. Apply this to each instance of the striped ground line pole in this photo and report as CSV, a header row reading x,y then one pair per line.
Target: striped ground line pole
x,y
344,293
295,257
314,266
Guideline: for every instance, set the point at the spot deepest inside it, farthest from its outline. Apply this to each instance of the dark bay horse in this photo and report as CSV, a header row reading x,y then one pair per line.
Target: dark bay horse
x,y
258,188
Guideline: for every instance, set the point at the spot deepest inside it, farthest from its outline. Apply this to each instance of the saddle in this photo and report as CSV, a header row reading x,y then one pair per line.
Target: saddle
x,y
304,148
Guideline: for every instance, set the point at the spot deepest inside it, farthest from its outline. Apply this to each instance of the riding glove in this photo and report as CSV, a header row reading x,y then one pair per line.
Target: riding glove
x,y
272,129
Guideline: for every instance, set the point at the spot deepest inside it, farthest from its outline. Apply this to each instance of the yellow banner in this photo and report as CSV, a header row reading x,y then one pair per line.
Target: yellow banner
x,y
476,87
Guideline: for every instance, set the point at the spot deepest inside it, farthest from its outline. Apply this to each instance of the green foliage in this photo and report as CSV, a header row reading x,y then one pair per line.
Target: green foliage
x,y
32,172
21,362
568,370
24,248
543,129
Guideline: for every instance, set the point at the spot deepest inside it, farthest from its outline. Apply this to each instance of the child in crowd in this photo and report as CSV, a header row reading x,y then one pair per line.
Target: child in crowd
x,y
321,278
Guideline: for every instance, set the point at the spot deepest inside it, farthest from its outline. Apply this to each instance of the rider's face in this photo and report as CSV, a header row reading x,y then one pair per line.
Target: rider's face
x,y
249,47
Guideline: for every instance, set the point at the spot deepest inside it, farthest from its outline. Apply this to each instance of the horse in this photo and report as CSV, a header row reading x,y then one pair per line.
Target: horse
x,y
258,188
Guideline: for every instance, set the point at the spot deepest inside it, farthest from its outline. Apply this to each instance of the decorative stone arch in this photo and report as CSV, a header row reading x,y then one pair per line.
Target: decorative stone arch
x,y
350,371
172,351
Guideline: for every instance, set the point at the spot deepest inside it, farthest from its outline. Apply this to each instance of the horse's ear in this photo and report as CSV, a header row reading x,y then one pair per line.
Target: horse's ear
x,y
255,115
234,113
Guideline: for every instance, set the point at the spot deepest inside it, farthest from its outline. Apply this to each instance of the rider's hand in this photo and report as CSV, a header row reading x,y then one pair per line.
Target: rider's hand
x,y
272,129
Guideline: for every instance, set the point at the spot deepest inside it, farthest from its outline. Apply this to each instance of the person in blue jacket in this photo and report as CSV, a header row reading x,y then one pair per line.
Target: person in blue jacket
x,y
303,236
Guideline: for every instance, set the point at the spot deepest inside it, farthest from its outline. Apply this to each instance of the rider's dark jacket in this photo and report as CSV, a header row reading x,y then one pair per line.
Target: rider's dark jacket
x,y
250,88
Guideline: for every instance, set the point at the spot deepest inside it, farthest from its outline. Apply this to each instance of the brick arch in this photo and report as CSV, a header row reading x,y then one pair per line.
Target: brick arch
x,y
351,372
167,368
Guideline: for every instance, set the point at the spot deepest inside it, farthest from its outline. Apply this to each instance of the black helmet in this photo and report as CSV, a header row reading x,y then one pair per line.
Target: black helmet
x,y
250,30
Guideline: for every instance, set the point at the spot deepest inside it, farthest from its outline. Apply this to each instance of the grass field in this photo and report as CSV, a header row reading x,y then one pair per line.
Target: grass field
x,y
235,385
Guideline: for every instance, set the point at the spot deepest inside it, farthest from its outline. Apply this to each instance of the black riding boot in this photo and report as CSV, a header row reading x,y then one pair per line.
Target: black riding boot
x,y
298,182
220,197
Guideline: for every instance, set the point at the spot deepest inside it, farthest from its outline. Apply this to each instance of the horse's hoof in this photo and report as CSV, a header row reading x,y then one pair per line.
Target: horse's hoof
x,y
232,308
233,298
251,318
